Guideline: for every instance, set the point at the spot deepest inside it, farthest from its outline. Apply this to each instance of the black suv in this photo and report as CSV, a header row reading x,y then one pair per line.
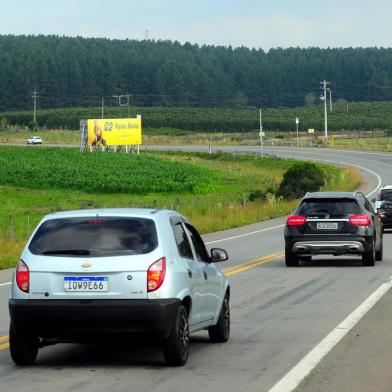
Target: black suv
x,y
384,205
336,223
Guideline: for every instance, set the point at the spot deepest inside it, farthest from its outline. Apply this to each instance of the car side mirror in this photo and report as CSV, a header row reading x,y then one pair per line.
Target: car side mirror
x,y
373,200
218,255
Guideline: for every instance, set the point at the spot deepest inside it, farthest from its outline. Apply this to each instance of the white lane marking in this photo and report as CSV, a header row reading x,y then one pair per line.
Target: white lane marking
x,y
245,234
297,374
5,284
321,160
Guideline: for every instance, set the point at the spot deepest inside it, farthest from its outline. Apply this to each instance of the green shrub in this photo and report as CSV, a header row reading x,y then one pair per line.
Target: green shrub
x,y
302,177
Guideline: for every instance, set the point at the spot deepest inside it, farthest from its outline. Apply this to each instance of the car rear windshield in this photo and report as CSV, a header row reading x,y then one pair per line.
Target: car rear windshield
x,y
94,237
328,208
386,195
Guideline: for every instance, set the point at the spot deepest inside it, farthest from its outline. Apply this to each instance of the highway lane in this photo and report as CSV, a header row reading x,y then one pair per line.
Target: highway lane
x,y
278,316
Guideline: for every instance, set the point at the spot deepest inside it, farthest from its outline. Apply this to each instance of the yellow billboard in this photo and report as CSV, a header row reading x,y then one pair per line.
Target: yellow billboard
x,y
114,132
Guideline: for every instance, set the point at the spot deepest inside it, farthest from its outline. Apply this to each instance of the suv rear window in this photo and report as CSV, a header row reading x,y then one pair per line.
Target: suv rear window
x,y
333,208
385,194
95,237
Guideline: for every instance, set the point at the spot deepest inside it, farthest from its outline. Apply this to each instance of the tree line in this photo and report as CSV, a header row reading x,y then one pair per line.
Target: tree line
x,y
74,72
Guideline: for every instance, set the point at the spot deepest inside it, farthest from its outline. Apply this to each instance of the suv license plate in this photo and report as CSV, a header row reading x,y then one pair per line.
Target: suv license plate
x,y
86,283
327,225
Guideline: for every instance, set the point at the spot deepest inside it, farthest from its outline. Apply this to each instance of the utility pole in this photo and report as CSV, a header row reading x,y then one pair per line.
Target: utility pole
x,y
297,124
35,96
330,99
102,105
324,98
261,135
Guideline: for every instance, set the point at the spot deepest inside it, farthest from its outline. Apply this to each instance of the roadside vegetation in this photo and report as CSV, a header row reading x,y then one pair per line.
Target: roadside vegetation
x,y
233,190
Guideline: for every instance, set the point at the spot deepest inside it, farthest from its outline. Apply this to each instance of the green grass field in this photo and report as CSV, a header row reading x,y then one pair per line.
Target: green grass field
x,y
35,181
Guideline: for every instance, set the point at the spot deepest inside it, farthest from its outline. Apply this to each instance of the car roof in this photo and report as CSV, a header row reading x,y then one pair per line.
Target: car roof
x,y
386,187
120,212
330,195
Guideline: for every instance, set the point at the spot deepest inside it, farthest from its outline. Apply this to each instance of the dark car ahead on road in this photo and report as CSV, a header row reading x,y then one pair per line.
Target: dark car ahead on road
x,y
383,205
335,223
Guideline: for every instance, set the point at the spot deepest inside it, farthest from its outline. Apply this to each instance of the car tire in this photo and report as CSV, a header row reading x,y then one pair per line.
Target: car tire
x,y
176,346
369,256
292,259
23,349
220,332
306,258
380,251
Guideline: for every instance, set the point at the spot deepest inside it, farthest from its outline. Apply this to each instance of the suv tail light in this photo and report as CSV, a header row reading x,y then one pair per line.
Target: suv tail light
x,y
296,220
360,220
22,276
156,275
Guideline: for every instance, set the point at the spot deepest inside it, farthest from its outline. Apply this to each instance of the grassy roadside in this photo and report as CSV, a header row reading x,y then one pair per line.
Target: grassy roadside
x,y
223,206
174,137
368,144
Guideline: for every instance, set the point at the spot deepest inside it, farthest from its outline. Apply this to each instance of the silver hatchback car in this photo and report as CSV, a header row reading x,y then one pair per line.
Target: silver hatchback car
x,y
118,273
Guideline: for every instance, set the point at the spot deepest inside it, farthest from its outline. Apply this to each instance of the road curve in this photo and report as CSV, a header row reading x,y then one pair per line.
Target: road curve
x,y
278,314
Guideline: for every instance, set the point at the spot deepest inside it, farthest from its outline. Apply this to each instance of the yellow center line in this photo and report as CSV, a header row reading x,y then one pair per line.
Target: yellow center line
x,y
4,346
227,270
252,264
4,338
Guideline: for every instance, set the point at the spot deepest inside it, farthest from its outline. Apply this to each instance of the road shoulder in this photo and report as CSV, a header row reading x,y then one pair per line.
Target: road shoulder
x,y
361,362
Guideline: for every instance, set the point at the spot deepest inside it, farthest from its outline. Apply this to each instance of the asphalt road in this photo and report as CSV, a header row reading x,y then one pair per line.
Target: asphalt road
x,y
278,316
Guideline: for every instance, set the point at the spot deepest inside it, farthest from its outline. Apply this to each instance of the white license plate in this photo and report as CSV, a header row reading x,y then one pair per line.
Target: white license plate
x,y
86,283
327,226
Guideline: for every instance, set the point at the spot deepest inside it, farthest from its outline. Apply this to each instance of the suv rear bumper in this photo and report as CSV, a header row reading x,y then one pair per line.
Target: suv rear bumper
x,y
335,245
328,247
85,320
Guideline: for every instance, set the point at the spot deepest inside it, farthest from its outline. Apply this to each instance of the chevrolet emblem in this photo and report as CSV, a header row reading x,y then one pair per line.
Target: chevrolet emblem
x,y
86,265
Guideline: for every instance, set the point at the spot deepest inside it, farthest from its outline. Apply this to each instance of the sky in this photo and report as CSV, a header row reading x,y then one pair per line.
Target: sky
x,y
255,24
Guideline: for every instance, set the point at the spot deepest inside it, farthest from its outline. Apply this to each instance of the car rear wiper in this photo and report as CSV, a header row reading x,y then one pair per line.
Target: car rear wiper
x,y
67,252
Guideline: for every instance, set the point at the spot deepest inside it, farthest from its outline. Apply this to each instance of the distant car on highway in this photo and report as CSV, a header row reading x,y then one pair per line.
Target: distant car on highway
x,y
335,223
34,140
117,273
383,205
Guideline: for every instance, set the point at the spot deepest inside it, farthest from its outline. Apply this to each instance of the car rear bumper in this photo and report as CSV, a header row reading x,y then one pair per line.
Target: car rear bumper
x,y
84,320
335,245
328,247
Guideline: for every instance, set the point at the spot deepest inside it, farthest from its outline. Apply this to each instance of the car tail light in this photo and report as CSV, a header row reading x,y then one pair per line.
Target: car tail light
x,y
156,275
22,276
296,220
360,220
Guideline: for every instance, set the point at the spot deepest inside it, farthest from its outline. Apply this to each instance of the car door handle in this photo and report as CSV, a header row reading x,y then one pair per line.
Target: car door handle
x,y
205,275
190,273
